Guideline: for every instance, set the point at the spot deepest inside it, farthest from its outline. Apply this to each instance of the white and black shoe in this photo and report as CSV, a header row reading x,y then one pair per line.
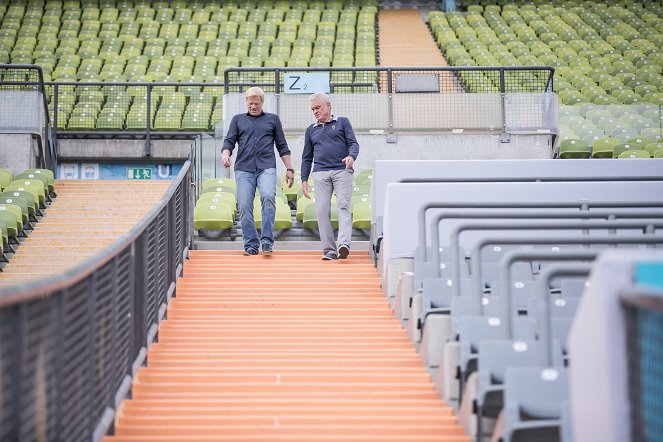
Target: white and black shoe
x,y
329,255
343,251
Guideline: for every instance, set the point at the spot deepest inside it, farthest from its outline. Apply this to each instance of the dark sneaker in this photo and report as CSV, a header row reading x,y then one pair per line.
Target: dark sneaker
x,y
329,256
267,249
249,252
343,251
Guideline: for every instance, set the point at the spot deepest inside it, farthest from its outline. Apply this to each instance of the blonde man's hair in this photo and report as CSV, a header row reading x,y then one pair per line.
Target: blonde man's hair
x,y
255,91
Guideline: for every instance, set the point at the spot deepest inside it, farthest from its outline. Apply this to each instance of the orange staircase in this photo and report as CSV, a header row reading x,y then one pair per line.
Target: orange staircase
x,y
282,348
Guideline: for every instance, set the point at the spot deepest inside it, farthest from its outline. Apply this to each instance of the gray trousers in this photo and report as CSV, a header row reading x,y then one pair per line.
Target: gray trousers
x,y
340,182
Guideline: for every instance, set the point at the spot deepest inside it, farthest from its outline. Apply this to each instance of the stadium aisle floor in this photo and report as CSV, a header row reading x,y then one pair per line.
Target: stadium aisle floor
x,y
85,217
285,347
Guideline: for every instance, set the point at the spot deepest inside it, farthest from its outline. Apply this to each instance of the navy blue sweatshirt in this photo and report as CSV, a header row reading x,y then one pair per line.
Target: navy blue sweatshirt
x,y
256,137
325,145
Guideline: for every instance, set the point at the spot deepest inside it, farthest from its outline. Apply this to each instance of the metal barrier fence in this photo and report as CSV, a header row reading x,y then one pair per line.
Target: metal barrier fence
x,y
70,344
506,99
427,99
643,312
23,109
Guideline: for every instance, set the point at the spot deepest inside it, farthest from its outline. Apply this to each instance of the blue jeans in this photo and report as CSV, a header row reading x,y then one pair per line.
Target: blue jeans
x,y
247,182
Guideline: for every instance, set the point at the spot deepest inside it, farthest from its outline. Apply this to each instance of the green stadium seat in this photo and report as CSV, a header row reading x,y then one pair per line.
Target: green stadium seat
x,y
50,177
29,197
35,187
11,221
213,218
634,154
301,205
223,182
215,188
282,216
310,218
574,148
604,147
625,147
23,204
6,178
361,216
652,148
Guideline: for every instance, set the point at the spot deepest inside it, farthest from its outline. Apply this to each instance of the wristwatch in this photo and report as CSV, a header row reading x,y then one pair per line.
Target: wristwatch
x,y
290,170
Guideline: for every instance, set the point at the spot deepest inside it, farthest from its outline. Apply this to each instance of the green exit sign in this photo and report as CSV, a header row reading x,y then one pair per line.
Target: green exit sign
x,y
141,173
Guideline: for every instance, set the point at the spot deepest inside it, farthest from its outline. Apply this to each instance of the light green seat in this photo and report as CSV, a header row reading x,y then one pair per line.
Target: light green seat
x,y
361,216
292,192
634,154
652,148
36,187
16,211
11,221
658,153
282,216
625,147
5,178
310,218
31,199
604,147
574,148
219,198
358,190
220,189
223,182
110,122
50,177
356,199
301,206
213,217
34,177
20,202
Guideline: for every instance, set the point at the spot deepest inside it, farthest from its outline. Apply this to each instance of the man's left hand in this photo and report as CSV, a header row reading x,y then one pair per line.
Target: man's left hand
x,y
348,161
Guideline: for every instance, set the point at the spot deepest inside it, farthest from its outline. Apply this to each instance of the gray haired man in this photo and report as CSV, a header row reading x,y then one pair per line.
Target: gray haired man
x,y
331,147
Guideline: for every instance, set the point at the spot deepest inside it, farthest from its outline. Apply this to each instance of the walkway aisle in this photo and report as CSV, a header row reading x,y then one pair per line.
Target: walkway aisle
x,y
405,40
285,348
85,217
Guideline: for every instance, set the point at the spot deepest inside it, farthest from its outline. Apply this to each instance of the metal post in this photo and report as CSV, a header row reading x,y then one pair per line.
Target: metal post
x,y
148,128
277,90
60,302
390,101
504,136
91,355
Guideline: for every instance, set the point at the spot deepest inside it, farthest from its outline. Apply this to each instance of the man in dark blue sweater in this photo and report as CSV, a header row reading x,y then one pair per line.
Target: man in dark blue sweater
x,y
257,132
330,144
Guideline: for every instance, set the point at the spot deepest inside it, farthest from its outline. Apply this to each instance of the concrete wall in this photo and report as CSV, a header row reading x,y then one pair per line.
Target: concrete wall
x,y
372,147
18,152
113,150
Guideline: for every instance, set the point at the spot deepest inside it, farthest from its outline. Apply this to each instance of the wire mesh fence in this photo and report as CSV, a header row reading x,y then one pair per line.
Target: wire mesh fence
x,y
69,345
643,313
428,99
413,99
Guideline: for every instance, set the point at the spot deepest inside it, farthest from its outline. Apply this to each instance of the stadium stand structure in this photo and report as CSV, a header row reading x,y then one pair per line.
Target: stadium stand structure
x,y
460,320
606,58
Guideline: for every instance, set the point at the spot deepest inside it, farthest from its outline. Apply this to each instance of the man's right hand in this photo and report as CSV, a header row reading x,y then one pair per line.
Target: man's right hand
x,y
305,189
225,159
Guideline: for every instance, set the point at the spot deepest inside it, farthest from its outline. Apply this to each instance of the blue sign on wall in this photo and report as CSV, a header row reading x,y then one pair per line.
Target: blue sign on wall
x,y
306,83
101,171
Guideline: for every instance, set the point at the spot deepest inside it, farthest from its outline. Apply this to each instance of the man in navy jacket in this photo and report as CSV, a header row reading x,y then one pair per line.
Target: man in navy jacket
x,y
256,132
